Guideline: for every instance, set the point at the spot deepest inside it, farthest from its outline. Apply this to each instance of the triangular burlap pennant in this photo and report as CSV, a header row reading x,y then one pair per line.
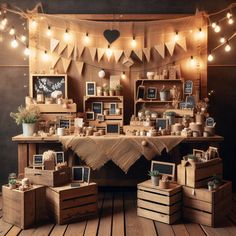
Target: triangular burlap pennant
x,y
170,46
80,66
128,62
182,43
55,60
139,54
66,63
75,53
147,54
70,49
127,52
117,55
61,48
101,52
80,49
92,51
53,44
160,49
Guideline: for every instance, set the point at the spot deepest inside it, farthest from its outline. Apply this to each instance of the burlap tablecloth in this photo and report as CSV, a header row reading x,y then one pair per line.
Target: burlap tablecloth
x,y
124,151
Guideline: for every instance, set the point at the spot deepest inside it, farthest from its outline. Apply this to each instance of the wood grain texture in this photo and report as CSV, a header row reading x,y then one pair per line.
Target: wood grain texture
x,y
22,158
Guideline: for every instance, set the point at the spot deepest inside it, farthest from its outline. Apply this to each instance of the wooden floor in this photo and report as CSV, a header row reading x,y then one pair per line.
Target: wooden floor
x,y
117,216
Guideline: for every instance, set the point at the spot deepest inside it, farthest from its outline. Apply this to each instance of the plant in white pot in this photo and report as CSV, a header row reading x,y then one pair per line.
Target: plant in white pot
x,y
27,116
164,94
155,177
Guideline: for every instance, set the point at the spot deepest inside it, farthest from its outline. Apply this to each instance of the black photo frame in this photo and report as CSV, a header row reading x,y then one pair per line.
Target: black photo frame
x,y
90,88
97,107
151,93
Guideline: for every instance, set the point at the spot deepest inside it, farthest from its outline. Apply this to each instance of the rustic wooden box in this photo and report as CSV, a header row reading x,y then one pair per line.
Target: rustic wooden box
x,y
207,207
197,175
52,178
67,204
24,208
162,205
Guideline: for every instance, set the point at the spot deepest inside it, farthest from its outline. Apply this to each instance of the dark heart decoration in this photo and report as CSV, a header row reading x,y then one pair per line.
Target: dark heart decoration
x,y
111,35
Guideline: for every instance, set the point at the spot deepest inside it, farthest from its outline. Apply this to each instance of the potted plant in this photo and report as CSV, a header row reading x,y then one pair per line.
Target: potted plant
x,y
106,91
27,116
12,183
118,89
155,177
164,94
164,182
210,185
170,116
111,92
192,158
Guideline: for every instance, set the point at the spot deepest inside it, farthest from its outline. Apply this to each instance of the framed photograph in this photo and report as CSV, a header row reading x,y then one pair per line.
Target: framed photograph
x,y
213,152
151,93
97,107
90,115
190,102
90,88
113,128
65,123
112,108
48,85
165,168
200,154
77,174
161,123
210,122
141,92
188,87
100,118
38,160
86,174
59,157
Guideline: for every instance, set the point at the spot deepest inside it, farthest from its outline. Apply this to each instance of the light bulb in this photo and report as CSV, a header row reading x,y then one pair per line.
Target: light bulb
x,y
227,47
109,52
14,43
222,40
4,21
33,24
101,74
23,38
45,56
49,31
210,57
66,36
123,75
228,15
200,33
192,61
176,38
12,31
27,51
217,29
86,39
230,21
133,43
213,25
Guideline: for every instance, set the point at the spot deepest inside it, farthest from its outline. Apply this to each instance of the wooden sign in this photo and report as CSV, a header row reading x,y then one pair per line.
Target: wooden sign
x,y
165,168
188,87
151,93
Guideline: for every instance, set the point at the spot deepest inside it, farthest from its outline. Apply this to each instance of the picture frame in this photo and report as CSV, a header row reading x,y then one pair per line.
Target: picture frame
x,y
161,123
188,87
112,108
113,128
210,122
100,118
200,154
164,168
60,158
38,160
90,88
77,174
190,102
97,107
47,84
213,152
151,93
141,92
65,123
90,115
86,174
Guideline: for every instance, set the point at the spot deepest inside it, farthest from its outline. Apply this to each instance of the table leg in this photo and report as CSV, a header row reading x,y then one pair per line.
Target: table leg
x,y
22,158
31,151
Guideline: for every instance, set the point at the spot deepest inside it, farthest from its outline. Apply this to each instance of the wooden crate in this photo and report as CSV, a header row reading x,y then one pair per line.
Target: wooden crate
x,y
197,175
67,204
207,207
162,205
52,178
23,208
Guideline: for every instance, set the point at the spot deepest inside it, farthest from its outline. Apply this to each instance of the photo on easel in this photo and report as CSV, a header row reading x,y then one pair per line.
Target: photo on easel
x,y
81,174
59,157
164,168
200,155
38,161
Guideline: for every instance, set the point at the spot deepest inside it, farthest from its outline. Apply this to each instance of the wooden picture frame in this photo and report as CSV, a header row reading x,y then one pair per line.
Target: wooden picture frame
x,y
161,122
151,93
112,128
200,154
141,92
165,168
112,108
38,160
60,158
77,174
47,83
100,118
90,88
213,152
97,107
90,115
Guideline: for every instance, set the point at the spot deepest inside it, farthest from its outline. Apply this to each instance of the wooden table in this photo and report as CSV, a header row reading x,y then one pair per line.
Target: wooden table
x,y
27,147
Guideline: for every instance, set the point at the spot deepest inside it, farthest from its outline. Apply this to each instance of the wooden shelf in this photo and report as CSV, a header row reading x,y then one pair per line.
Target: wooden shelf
x,y
159,80
152,101
56,108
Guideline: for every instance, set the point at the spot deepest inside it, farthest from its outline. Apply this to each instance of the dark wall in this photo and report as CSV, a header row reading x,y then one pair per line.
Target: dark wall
x,y
14,79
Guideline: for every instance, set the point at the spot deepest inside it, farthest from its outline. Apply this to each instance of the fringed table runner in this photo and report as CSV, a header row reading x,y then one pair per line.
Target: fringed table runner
x,y
124,151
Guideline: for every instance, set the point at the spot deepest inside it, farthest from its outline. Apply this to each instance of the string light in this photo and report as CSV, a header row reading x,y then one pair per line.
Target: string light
x,y
217,29
200,33
12,31
108,52
27,51
86,39
210,57
49,31
66,35
45,56
229,14
4,21
222,40
176,38
133,43
192,61
227,47
23,38
230,21
123,75
14,43
213,25
33,24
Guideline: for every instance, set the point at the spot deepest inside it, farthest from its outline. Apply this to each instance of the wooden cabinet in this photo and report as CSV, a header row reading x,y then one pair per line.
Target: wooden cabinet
x,y
106,115
155,103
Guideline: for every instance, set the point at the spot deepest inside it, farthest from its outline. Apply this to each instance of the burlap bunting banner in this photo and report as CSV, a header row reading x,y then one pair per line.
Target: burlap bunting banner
x,y
53,44
127,52
55,59
182,43
79,66
80,48
61,48
92,51
66,63
75,53
128,62
139,54
147,54
170,46
70,49
160,49
117,55
100,52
